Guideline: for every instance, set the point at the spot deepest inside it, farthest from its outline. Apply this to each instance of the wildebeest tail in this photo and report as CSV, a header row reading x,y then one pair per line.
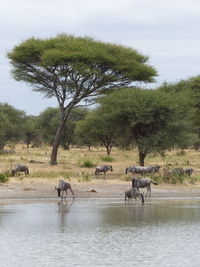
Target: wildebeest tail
x,y
154,183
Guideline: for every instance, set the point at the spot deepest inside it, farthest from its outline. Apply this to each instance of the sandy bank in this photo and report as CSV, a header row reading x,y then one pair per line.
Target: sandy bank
x,y
95,189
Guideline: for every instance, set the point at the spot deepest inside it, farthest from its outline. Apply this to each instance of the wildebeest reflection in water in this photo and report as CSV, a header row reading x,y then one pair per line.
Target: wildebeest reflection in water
x,y
64,207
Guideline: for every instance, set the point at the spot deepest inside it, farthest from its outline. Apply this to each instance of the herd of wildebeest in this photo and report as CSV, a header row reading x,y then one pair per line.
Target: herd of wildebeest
x,y
136,182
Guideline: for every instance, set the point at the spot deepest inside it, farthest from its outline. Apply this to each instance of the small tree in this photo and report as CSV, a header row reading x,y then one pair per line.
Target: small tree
x,y
76,69
97,128
30,130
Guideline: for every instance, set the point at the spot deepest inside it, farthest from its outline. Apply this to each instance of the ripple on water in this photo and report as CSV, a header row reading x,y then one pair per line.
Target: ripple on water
x,y
100,233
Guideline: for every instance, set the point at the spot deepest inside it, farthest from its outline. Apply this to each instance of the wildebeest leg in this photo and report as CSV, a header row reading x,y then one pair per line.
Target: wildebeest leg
x,y
138,190
148,190
72,192
141,196
61,194
65,194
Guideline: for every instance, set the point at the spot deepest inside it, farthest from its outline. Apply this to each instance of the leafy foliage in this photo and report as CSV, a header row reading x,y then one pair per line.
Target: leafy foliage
x,y
75,69
153,120
48,122
96,129
11,124
4,177
87,164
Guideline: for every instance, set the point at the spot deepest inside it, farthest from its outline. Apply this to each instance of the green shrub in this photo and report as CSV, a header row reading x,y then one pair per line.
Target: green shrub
x,y
157,178
88,164
193,179
174,178
4,177
107,159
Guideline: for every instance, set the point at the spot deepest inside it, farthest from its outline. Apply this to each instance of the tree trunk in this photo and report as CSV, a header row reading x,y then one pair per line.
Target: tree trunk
x,y
108,149
59,133
56,143
141,158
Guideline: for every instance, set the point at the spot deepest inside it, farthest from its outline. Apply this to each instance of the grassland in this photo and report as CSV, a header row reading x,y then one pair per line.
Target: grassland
x,y
77,165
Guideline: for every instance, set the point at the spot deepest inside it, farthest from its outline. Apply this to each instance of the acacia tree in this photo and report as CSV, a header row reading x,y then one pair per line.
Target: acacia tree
x,y
191,89
152,119
97,128
76,69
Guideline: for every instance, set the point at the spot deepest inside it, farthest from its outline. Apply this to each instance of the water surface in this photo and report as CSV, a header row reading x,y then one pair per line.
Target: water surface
x,y
100,232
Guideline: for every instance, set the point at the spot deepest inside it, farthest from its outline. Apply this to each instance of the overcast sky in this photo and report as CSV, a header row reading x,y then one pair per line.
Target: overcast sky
x,y
166,31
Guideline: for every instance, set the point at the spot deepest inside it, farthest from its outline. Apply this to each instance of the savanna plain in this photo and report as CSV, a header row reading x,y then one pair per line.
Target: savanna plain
x,y
77,166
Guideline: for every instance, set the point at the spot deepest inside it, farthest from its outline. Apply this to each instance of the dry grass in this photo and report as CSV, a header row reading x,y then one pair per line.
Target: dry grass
x,y
70,162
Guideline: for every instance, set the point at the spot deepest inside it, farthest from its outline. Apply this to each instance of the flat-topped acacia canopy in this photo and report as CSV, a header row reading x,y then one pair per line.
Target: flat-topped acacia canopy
x,y
75,69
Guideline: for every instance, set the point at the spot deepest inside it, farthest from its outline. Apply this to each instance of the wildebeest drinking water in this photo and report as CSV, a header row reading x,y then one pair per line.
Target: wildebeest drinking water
x,y
63,187
133,193
20,168
142,183
103,168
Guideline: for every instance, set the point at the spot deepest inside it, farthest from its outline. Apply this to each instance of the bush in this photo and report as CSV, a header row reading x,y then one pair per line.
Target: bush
x,y
107,159
4,177
88,164
194,179
174,178
157,178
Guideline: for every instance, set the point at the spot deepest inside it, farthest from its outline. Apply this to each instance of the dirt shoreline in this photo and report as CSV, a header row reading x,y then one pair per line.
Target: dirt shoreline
x,y
95,189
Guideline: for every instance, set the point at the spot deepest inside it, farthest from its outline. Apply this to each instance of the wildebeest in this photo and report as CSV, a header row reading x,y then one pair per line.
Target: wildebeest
x,y
103,169
175,171
178,171
189,171
20,168
63,187
142,183
133,193
142,170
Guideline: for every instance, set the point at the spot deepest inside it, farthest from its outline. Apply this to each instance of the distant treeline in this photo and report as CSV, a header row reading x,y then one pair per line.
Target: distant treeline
x,y
151,120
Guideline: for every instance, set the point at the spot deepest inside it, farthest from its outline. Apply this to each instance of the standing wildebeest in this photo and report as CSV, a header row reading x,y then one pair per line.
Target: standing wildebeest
x,y
142,170
133,193
63,187
142,183
136,169
103,169
20,168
